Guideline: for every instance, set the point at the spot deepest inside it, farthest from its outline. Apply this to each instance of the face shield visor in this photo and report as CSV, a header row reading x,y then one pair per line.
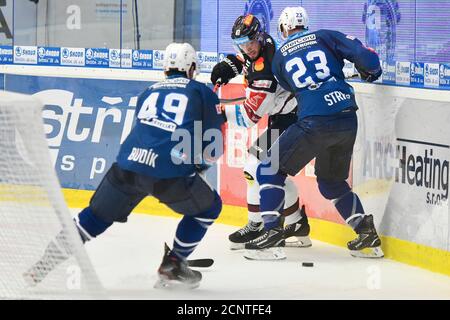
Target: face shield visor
x,y
250,47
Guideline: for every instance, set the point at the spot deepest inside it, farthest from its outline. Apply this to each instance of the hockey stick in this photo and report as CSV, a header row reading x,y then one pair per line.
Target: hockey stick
x,y
239,99
225,101
200,263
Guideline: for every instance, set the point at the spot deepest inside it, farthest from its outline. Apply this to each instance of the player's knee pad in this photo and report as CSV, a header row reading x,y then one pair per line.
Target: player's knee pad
x,y
333,189
198,198
291,193
109,203
214,211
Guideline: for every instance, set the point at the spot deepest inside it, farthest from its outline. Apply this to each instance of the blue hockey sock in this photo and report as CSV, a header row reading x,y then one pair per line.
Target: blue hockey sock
x,y
89,226
192,229
350,208
346,202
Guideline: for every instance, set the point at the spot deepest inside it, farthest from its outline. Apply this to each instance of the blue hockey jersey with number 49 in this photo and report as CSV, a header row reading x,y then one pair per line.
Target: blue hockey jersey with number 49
x,y
172,117
310,65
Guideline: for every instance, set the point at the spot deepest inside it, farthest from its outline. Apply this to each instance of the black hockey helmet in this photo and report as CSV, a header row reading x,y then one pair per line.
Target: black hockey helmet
x,y
246,28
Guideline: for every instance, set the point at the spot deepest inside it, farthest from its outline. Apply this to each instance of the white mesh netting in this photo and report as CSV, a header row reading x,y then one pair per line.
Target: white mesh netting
x,y
37,236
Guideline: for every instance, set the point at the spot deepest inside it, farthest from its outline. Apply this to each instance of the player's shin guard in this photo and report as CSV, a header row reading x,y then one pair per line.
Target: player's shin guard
x,y
192,229
267,246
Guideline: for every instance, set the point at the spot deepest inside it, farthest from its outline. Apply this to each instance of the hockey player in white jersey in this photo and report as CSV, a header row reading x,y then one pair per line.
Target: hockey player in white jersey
x,y
263,96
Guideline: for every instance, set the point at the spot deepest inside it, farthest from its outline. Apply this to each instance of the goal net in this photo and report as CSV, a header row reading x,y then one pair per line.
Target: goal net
x,y
41,253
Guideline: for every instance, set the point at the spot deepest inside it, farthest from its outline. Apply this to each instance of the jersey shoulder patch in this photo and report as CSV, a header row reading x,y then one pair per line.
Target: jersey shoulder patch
x,y
263,84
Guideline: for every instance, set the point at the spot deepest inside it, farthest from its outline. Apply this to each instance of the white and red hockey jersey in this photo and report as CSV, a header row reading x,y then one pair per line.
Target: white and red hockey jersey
x,y
263,93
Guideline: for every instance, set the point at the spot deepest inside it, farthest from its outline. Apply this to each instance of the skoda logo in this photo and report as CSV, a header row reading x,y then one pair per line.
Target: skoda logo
x,y
114,54
18,51
200,57
135,55
89,54
41,52
65,53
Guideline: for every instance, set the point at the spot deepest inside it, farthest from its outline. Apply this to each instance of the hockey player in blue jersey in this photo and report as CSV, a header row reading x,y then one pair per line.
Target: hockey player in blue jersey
x,y
255,51
153,161
309,64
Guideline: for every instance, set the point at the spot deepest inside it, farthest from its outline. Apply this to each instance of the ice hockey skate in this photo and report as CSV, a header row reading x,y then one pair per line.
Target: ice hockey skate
x,y
368,243
174,273
268,246
247,233
297,234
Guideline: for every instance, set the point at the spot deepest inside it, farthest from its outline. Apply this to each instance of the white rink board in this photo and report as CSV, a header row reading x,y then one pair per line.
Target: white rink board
x,y
401,162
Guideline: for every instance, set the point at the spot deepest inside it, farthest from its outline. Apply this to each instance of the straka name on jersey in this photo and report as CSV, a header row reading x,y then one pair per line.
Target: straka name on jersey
x,y
431,75
25,54
72,56
403,73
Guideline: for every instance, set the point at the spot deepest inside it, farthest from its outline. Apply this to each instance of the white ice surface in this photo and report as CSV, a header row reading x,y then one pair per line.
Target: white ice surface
x,y
127,256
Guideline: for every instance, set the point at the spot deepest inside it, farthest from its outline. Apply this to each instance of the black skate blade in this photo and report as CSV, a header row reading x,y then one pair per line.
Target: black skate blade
x,y
200,263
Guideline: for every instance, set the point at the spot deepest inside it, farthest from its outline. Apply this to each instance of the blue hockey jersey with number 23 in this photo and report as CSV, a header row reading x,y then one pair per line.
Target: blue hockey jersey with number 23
x,y
310,65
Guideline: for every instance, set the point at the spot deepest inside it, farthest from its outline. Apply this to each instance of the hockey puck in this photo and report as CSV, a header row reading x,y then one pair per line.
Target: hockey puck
x,y
307,264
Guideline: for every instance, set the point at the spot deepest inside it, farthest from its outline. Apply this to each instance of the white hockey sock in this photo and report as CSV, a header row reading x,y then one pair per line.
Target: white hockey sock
x,y
293,218
255,217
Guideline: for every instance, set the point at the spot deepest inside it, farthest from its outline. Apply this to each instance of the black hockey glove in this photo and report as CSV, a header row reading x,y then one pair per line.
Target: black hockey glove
x,y
369,76
226,70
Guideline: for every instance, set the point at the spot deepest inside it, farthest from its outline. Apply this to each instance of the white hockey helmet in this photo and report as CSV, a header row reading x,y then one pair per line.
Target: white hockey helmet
x,y
292,18
180,56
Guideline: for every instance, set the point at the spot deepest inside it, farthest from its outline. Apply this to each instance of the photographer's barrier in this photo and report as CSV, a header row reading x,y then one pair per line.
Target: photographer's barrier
x,y
400,166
